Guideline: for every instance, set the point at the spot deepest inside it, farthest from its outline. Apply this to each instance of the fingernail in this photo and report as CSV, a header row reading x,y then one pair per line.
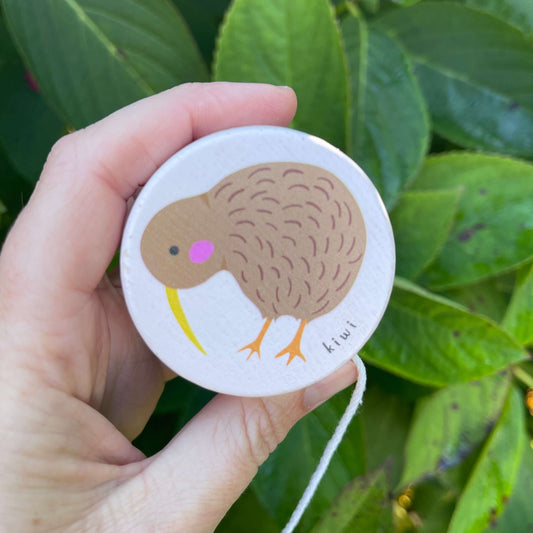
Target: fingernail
x,y
284,87
319,392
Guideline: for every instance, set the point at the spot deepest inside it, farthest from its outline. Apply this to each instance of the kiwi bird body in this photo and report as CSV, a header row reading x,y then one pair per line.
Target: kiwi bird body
x,y
291,234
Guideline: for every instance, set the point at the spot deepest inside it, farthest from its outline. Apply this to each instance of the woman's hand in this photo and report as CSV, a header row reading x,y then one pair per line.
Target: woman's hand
x,y
77,382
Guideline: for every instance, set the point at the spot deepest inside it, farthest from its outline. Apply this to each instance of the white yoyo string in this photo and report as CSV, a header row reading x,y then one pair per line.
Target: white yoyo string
x,y
355,401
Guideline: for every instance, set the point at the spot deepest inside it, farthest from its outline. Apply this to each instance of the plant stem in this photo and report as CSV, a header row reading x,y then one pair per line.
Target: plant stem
x,y
348,7
523,376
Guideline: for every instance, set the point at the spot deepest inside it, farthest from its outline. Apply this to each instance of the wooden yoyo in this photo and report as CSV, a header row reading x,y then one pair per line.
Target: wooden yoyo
x,y
257,260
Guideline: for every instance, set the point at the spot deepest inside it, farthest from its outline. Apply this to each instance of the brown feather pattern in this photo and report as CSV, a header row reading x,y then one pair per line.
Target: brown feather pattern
x,y
303,264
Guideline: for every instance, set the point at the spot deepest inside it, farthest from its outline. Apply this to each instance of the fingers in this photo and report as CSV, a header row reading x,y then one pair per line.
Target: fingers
x,y
71,227
195,480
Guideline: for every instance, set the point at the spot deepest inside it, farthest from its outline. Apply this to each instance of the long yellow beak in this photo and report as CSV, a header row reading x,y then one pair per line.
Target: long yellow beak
x,y
177,310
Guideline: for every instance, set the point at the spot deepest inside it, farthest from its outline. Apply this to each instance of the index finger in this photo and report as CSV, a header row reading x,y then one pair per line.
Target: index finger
x,y
71,227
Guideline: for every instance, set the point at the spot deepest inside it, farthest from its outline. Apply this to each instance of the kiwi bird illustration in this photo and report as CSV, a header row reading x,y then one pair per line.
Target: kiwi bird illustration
x,y
291,234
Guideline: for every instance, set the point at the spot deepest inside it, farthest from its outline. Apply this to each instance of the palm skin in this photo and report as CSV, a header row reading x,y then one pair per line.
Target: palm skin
x,y
76,381
88,376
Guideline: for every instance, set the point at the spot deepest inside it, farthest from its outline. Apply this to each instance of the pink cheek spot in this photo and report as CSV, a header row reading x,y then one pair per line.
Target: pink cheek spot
x,y
201,251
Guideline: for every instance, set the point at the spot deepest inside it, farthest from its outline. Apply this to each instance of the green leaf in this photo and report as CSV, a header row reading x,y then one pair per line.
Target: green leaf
x,y
518,320
524,373
184,398
408,390
289,42
372,6
483,298
363,505
433,341
158,432
474,71
516,12
5,221
384,412
180,401
449,424
388,129
15,190
282,479
494,475
518,513
433,505
203,18
405,3
434,498
519,13
28,127
247,511
91,57
493,229
422,221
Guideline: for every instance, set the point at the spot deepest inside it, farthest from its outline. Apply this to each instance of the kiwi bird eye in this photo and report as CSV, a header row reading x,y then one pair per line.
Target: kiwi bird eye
x,y
173,250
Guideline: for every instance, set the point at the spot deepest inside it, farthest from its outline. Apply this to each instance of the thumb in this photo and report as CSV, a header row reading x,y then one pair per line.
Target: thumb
x,y
193,482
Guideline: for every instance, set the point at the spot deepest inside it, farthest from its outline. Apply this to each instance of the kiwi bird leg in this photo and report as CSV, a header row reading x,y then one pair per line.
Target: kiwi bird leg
x,y
255,345
293,348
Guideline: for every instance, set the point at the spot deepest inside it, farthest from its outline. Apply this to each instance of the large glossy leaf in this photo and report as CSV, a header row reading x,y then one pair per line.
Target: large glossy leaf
x,y
494,475
421,222
433,341
517,515
289,42
28,127
282,479
180,401
183,398
519,13
493,229
474,71
3,220
518,319
449,424
247,514
396,384
14,189
483,298
371,6
384,412
434,498
8,179
362,505
388,128
91,57
433,506
157,433
203,18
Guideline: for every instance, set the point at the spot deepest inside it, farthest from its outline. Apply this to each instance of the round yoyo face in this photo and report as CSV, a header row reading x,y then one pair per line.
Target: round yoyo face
x,y
257,261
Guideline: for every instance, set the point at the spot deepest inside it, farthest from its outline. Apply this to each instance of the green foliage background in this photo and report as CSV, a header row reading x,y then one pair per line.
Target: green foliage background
x,y
434,99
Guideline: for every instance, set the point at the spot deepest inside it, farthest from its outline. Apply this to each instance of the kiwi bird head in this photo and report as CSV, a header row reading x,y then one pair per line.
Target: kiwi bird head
x,y
179,246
